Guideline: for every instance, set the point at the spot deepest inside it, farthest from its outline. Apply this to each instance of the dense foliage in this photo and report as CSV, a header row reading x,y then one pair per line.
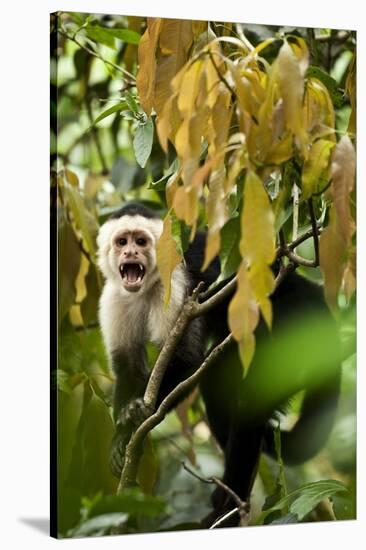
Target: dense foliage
x,y
246,130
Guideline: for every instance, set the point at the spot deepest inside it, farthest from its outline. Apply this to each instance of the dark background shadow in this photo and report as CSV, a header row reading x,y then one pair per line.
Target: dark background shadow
x,y
40,524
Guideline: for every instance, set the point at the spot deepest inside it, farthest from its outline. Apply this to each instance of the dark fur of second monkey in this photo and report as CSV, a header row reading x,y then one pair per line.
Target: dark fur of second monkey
x,y
241,437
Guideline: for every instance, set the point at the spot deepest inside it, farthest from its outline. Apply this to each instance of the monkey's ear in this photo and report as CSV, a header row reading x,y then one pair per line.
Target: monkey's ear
x,y
104,244
104,234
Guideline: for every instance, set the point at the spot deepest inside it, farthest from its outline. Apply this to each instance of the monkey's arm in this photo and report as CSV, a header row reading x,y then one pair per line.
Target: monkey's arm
x,y
130,368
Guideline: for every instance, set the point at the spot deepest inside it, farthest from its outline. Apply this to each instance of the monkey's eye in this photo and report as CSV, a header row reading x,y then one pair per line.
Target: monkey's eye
x,y
122,241
141,241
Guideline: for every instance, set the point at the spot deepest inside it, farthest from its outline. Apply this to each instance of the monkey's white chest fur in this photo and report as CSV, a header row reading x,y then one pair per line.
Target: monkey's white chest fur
x,y
133,319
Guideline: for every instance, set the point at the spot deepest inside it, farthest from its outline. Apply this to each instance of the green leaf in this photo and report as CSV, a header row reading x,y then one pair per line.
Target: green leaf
x,y
315,167
148,468
98,526
89,306
84,219
284,520
343,506
330,83
132,501
229,253
121,106
304,499
143,141
160,184
101,35
127,35
177,228
62,381
68,266
131,102
77,18
313,493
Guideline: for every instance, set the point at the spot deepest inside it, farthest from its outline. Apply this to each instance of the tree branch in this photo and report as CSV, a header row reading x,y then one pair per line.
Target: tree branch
x,y
288,249
192,308
134,447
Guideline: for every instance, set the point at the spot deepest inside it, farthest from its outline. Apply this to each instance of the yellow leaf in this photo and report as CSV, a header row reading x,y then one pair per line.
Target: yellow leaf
x,y
212,249
351,91
182,412
315,166
221,119
167,257
168,122
280,151
257,244
262,283
343,175
332,255
198,27
92,185
291,82
145,80
71,177
176,37
217,214
318,110
300,49
148,467
246,351
172,186
84,220
186,205
248,89
243,317
349,276
235,166
188,88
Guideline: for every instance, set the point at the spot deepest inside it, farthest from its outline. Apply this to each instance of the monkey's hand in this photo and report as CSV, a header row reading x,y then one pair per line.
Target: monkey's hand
x,y
130,417
117,452
134,413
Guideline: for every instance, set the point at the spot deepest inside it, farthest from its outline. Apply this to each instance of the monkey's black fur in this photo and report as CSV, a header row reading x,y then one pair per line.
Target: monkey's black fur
x,y
228,398
135,209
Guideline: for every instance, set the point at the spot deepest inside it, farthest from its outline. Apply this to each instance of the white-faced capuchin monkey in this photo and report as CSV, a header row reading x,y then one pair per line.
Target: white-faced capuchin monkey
x,y
132,313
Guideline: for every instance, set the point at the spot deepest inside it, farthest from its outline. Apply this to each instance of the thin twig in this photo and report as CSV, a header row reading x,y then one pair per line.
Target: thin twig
x,y
95,135
217,298
97,55
221,77
208,480
284,271
314,226
223,518
304,237
295,219
299,260
242,506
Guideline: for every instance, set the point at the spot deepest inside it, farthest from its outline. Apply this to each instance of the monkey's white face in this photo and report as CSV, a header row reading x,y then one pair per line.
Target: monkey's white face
x,y
127,252
132,251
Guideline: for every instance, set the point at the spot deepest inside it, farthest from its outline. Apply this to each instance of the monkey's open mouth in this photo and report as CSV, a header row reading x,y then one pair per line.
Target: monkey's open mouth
x,y
132,274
